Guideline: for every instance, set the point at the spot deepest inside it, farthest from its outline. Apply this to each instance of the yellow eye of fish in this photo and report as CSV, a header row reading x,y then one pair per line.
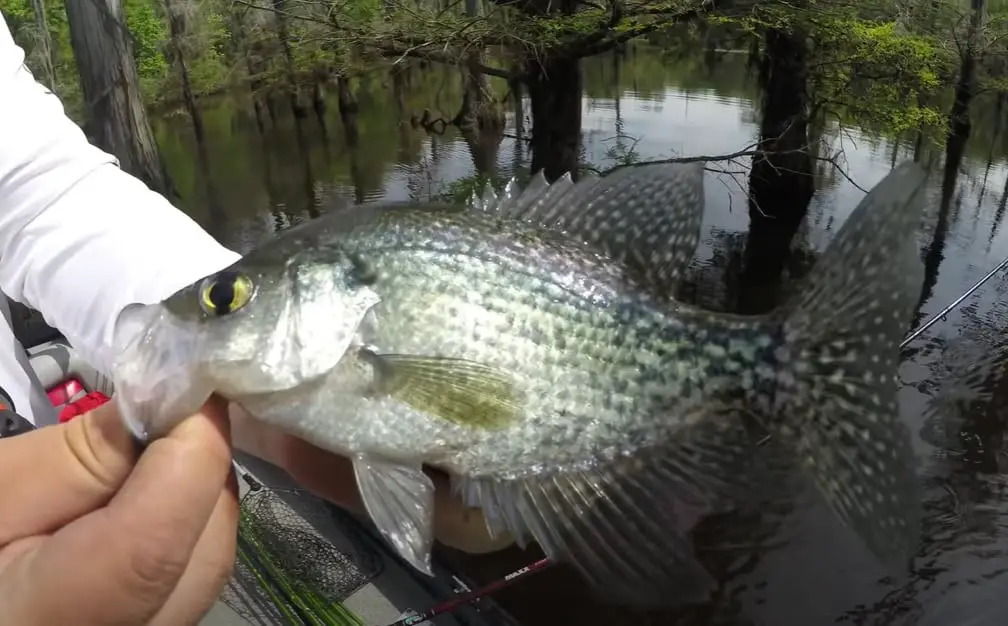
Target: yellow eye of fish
x,y
226,292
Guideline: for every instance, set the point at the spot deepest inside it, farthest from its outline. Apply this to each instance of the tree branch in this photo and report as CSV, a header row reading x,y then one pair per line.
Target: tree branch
x,y
606,37
424,52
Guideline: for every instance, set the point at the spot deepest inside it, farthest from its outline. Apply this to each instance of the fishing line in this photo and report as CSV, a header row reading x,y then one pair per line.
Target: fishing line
x,y
955,303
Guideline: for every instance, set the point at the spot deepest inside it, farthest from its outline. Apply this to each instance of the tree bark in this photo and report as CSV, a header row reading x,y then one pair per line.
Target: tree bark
x,y
116,116
283,35
348,109
780,182
47,59
554,85
554,88
249,51
178,28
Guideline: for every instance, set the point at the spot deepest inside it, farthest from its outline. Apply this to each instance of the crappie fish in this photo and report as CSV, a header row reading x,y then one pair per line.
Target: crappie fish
x,y
528,347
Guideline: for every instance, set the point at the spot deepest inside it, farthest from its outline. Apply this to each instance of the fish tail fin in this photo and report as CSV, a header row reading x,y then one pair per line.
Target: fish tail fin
x,y
835,400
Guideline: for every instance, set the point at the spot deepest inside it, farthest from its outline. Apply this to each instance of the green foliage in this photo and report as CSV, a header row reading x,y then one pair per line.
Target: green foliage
x,y
878,75
885,64
18,14
149,33
863,65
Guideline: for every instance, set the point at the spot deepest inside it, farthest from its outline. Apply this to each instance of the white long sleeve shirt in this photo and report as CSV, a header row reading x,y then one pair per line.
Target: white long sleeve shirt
x,y
79,238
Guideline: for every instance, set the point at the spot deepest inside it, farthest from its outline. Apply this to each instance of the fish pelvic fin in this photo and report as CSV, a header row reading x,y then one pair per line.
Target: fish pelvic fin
x,y
400,501
624,523
835,401
647,217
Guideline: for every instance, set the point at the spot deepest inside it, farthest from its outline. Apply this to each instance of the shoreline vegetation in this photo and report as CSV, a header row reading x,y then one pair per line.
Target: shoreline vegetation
x,y
916,70
892,64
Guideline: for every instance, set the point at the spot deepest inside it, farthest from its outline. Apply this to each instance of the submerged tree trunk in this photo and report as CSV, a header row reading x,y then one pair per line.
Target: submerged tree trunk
x,y
960,124
47,54
283,35
318,98
959,130
308,180
554,88
116,117
178,50
480,119
248,51
780,183
554,84
348,109
517,102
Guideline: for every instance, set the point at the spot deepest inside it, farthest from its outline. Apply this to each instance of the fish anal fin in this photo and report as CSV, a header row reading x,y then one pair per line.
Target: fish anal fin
x,y
625,523
400,501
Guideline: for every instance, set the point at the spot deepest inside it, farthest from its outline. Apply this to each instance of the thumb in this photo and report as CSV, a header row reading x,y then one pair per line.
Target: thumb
x,y
63,472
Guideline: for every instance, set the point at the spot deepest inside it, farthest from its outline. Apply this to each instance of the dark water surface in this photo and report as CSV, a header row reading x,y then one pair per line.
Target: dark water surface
x,y
798,567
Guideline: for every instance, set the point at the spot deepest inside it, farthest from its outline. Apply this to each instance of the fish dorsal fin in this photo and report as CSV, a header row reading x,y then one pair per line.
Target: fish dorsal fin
x,y
647,217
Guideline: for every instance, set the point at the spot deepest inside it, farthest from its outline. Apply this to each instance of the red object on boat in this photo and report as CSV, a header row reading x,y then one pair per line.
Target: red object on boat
x,y
72,399
65,392
92,400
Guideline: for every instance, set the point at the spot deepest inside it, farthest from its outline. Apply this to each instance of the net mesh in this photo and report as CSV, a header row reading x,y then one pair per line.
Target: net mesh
x,y
293,553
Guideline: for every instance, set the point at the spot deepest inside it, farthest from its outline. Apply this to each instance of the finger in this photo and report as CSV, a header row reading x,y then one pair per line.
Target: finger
x,y
63,472
120,564
210,566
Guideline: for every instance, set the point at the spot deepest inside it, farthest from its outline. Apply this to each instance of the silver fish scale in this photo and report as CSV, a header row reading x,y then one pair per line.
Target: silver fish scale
x,y
630,424
600,369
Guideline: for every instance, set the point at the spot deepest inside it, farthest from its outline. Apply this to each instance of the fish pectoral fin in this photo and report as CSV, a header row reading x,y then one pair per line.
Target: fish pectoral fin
x,y
400,501
460,391
625,523
646,216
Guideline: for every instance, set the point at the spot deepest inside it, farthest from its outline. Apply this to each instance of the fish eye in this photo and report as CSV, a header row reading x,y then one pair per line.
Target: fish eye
x,y
225,292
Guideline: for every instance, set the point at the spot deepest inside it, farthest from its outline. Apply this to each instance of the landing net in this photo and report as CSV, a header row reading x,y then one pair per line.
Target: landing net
x,y
296,567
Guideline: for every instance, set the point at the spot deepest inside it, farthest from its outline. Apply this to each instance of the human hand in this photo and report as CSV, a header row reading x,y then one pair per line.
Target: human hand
x,y
331,477
94,532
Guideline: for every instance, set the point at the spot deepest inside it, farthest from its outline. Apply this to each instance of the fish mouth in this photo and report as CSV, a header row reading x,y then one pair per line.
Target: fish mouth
x,y
164,370
157,377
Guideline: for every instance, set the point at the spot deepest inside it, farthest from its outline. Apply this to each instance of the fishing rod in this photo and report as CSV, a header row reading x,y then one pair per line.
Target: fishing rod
x,y
955,303
469,596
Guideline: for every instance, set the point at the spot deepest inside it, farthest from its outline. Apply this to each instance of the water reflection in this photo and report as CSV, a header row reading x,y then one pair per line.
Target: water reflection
x,y
787,566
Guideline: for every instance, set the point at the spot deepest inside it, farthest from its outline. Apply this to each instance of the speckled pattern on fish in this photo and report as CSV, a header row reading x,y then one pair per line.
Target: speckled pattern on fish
x,y
528,346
